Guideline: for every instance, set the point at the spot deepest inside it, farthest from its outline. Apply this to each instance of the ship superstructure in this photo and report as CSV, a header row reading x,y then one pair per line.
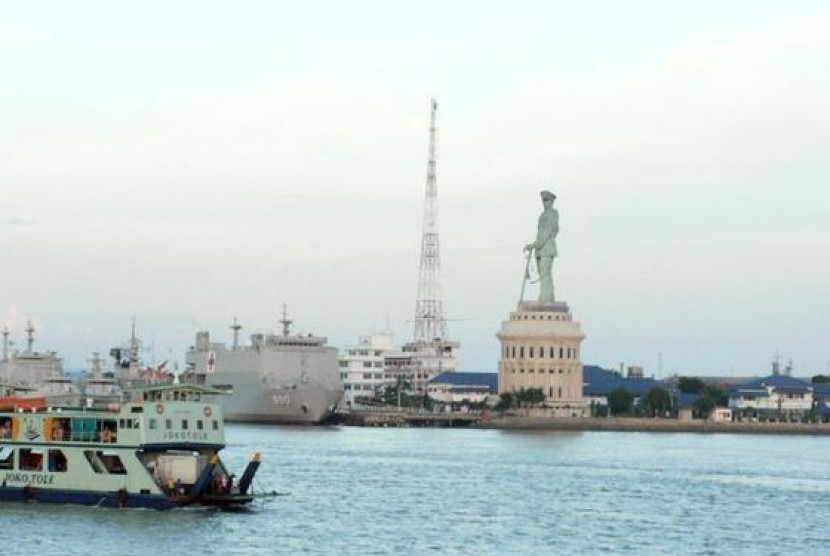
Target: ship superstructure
x,y
276,378
28,367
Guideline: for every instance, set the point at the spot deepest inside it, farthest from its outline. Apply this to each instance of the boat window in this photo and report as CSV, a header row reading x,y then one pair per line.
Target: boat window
x,y
215,425
151,424
105,462
57,461
168,424
113,463
128,423
94,461
31,460
184,424
83,429
6,427
61,429
200,425
108,430
6,457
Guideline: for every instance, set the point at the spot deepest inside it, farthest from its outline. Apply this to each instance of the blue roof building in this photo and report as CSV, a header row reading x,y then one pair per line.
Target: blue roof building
x,y
778,395
599,383
821,398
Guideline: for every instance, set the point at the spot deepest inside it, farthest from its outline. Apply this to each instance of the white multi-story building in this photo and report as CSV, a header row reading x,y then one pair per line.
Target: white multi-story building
x,y
361,366
419,362
775,395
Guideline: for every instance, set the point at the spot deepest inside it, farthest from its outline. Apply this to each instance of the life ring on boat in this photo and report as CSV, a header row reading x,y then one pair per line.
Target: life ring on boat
x,y
159,408
207,411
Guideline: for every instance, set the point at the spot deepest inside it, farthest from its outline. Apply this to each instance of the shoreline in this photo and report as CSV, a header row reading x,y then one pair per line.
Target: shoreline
x,y
633,424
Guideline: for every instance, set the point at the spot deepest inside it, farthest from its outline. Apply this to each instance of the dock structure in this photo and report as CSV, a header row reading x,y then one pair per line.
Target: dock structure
x,y
395,417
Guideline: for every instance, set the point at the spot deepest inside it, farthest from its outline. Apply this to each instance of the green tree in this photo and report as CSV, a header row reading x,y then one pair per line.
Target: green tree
x,y
656,402
718,396
821,379
529,396
620,401
506,401
704,405
690,385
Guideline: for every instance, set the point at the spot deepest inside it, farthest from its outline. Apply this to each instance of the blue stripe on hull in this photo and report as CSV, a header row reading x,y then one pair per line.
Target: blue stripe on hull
x,y
85,498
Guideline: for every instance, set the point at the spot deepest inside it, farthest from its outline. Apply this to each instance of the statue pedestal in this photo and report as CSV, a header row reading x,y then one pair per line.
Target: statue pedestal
x,y
540,348
538,306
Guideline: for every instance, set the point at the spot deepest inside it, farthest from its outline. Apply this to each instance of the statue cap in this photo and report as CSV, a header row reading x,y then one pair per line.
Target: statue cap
x,y
547,195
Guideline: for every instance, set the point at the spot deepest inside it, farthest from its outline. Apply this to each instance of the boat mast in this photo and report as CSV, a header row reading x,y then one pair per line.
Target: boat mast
x,y
285,322
30,336
236,327
5,343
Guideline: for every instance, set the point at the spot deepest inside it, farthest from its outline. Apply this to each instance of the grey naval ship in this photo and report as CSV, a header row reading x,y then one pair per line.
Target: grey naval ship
x,y
287,378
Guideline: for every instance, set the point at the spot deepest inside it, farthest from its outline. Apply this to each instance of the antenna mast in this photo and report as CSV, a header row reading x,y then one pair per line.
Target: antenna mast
x,y
236,327
429,313
285,322
30,336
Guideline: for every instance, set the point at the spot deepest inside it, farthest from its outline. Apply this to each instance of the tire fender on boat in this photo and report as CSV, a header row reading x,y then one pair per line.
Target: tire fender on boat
x,y
159,408
122,497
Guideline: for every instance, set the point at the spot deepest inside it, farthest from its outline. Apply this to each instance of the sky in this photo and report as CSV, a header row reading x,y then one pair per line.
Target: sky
x,y
185,163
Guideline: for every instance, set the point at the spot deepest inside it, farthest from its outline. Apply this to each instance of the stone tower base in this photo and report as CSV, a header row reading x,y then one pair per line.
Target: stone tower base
x,y
540,348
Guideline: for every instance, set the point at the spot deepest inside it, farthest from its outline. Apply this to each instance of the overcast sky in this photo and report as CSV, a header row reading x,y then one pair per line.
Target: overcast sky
x,y
187,162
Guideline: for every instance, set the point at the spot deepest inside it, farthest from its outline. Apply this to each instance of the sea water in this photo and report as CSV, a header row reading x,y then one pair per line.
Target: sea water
x,y
378,491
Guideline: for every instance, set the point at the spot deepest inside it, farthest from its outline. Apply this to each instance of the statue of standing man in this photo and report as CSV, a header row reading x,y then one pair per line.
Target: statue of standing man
x,y
544,248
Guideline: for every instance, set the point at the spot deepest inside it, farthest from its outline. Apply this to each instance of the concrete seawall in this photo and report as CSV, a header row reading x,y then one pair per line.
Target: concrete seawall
x,y
653,425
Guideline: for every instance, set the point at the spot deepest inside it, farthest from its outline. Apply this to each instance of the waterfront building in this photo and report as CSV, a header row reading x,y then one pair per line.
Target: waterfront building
x,y
463,387
721,415
775,396
361,366
821,400
540,348
421,361
598,383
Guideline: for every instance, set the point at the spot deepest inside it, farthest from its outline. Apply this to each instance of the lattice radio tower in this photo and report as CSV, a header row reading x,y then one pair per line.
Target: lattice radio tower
x,y
429,313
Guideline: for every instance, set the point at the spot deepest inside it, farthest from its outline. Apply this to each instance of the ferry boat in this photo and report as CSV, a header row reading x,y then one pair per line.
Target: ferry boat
x,y
158,450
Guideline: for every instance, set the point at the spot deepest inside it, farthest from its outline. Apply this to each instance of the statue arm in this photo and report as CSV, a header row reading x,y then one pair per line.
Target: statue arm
x,y
545,233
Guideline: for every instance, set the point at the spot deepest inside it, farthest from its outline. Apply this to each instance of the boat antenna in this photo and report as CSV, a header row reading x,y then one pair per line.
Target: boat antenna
x,y
30,332
96,364
285,322
5,343
133,369
236,327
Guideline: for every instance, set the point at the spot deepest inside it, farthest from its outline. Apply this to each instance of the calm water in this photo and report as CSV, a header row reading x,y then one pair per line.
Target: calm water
x,y
354,491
